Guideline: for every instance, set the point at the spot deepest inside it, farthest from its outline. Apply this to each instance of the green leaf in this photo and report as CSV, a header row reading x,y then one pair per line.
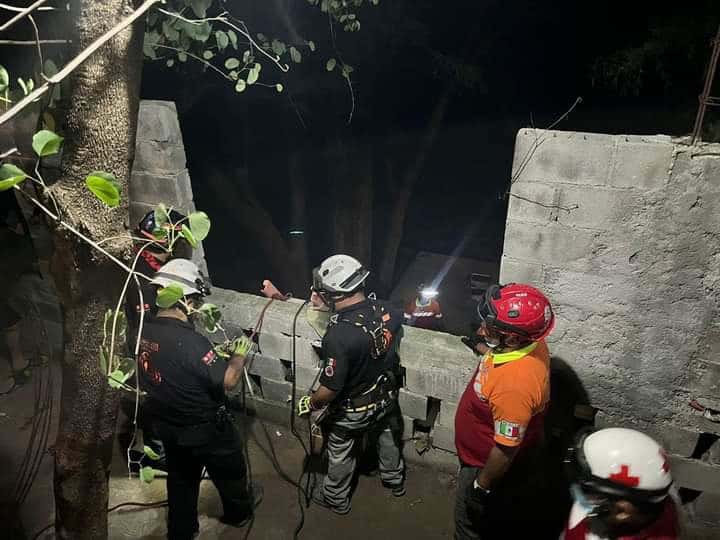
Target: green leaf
x,y
278,47
103,360
279,87
222,39
105,187
161,215
234,75
233,39
257,67
199,225
232,63
46,143
150,453
117,379
189,236
182,56
207,55
295,55
331,63
262,37
23,86
311,45
170,31
169,296
147,474
10,176
170,62
49,68
4,78
210,316
200,7
240,86
246,57
253,75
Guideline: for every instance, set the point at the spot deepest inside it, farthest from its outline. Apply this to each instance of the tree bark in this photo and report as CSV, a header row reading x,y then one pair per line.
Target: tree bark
x,y
352,181
403,191
99,136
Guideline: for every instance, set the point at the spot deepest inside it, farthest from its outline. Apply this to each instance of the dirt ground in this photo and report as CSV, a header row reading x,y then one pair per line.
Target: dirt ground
x,y
425,512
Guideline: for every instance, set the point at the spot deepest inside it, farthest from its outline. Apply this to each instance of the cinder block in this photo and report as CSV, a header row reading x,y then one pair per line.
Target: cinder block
x,y
281,346
562,156
444,437
641,164
598,208
408,428
533,202
447,413
306,379
158,121
438,383
413,405
158,157
517,271
705,510
279,391
674,439
694,474
553,243
267,367
152,188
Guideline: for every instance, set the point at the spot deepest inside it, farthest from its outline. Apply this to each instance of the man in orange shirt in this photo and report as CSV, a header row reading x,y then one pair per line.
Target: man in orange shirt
x,y
501,411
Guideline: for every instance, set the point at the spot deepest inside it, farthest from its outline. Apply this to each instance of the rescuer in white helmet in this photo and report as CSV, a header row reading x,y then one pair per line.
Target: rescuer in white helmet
x,y
185,381
620,482
359,380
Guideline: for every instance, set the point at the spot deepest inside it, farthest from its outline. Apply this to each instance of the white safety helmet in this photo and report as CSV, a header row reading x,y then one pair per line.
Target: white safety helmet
x,y
183,272
621,463
339,275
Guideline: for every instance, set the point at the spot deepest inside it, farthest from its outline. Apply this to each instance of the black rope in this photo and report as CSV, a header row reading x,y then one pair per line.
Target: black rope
x,y
303,495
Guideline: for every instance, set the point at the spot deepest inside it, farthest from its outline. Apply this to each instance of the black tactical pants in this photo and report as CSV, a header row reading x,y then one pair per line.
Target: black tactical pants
x,y
223,457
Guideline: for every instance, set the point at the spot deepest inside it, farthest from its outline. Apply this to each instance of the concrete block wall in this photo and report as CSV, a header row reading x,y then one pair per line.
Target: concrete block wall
x,y
623,234
159,172
438,367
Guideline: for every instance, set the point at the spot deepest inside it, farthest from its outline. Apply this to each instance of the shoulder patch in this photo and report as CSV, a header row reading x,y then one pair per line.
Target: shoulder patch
x,y
330,368
209,358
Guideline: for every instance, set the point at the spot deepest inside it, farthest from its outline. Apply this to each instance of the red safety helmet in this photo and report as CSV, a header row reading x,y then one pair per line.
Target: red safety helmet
x,y
517,309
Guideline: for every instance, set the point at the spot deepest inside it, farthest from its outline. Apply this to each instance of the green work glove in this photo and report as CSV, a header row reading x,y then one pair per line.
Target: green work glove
x,y
304,407
241,346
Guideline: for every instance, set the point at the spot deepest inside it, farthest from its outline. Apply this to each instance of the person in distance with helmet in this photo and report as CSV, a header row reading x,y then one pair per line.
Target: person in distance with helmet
x,y
185,382
620,482
152,257
359,381
501,411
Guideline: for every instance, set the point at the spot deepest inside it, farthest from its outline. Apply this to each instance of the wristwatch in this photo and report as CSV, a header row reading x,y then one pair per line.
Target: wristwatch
x,y
481,490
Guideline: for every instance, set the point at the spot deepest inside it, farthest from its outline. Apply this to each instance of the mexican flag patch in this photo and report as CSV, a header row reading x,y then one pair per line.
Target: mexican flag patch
x,y
508,429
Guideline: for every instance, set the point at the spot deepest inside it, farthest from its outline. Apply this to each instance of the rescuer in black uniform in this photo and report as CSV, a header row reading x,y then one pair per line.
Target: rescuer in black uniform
x,y
185,382
152,257
359,381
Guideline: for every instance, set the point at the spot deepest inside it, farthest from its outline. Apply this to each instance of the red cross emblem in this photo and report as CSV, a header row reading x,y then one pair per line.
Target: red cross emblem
x,y
623,477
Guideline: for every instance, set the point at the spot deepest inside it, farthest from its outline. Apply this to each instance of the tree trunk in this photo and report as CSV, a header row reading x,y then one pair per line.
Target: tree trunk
x,y
99,135
352,182
393,237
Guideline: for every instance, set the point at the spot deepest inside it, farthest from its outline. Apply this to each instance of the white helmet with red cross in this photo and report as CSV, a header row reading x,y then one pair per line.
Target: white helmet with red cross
x,y
622,463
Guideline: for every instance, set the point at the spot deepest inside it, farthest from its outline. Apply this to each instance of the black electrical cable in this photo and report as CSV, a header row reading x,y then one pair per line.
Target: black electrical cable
x,y
303,496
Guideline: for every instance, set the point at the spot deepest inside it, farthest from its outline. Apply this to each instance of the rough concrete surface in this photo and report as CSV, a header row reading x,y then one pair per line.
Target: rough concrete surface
x,y
623,234
159,172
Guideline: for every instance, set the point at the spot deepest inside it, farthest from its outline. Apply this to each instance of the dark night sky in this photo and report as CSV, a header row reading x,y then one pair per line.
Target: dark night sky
x,y
532,59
